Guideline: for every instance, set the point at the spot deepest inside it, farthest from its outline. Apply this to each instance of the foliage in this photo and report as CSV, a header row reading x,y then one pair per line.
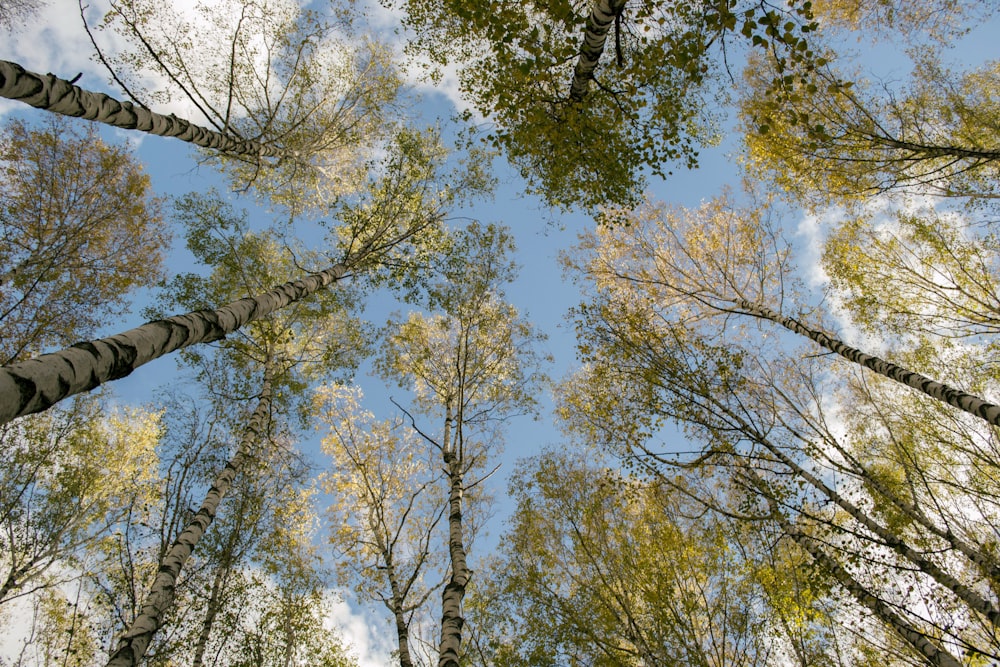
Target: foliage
x,y
387,506
663,319
310,339
67,480
829,134
269,71
650,105
80,230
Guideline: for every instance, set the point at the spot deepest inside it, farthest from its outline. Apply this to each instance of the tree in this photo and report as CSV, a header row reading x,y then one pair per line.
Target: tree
x,y
471,366
67,480
388,505
828,134
60,96
277,348
586,132
598,568
80,230
388,231
668,290
268,72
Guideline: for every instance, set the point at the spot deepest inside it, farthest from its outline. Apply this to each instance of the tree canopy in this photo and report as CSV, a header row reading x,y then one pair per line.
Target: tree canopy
x,y
774,437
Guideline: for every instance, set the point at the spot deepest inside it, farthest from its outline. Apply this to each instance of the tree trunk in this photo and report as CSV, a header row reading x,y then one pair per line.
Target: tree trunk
x,y
133,644
60,96
975,601
402,629
601,18
454,590
942,392
214,604
930,651
36,384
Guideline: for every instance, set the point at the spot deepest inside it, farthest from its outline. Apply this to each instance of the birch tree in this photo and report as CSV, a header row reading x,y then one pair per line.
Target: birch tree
x,y
273,348
603,569
389,229
67,480
828,133
588,98
388,505
470,367
670,293
80,230
270,73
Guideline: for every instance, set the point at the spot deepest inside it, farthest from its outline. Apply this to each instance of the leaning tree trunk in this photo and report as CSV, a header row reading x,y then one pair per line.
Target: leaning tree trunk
x,y
133,644
942,392
929,650
36,384
46,91
970,596
601,18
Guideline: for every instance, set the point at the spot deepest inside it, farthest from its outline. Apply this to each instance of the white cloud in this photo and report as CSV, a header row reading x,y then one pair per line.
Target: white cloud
x,y
363,633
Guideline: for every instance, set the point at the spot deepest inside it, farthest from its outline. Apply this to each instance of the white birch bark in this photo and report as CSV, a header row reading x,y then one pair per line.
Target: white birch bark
x,y
599,23
36,384
133,644
942,392
47,91
929,650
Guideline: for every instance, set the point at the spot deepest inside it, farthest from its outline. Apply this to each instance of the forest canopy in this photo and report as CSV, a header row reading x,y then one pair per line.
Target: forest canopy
x,y
567,332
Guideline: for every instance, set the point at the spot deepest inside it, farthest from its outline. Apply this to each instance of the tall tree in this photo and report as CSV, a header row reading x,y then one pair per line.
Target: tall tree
x,y
586,124
67,480
278,349
393,226
267,72
827,132
387,506
598,568
49,92
470,367
667,290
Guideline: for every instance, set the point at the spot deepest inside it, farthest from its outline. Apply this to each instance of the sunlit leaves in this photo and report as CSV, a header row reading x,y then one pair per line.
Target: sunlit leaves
x,y
829,134
386,502
67,479
79,230
269,71
651,105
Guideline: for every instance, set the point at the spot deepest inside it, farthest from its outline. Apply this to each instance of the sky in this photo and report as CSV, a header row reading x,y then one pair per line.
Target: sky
x,y
55,42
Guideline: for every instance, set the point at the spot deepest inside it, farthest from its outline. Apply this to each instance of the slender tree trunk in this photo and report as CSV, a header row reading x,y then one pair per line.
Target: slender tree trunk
x,y
601,18
214,604
931,151
975,601
36,384
402,629
454,590
46,91
985,563
929,650
942,392
133,644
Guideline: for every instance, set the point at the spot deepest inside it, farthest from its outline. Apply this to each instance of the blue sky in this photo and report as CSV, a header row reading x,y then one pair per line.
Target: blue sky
x,y
56,43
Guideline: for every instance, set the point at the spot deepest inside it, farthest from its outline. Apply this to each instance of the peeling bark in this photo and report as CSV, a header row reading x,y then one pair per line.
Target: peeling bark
x,y
133,644
47,91
37,384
